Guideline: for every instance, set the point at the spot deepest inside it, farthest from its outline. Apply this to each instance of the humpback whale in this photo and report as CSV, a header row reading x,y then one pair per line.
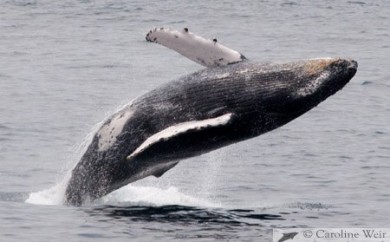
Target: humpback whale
x,y
231,100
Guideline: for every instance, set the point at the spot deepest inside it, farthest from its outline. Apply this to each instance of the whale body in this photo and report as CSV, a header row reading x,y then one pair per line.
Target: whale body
x,y
199,113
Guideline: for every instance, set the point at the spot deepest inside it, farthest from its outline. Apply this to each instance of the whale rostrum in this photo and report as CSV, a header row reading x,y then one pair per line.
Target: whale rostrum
x,y
231,100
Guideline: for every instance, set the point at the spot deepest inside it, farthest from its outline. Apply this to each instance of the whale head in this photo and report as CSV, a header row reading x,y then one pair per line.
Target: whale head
x,y
306,84
325,76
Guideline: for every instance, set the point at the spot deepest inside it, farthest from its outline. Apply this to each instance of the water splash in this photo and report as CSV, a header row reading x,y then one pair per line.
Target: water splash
x,y
130,195
154,196
51,196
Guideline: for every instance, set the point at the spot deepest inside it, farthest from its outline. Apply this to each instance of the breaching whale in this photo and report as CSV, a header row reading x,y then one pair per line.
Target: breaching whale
x,y
231,100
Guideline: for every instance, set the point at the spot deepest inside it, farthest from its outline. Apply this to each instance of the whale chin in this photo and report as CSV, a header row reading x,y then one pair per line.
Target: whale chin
x,y
199,113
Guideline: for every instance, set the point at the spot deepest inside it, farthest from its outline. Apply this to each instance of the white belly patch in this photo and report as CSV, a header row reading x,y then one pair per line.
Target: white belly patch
x,y
109,132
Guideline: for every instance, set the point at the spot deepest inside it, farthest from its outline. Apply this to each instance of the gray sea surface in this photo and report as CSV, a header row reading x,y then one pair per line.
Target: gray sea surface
x,y
67,65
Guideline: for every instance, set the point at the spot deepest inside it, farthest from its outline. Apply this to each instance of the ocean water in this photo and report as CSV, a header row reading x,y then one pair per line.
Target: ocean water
x,y
66,65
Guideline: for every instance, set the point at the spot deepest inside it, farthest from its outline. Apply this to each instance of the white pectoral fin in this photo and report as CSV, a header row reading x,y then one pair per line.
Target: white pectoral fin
x,y
203,51
180,129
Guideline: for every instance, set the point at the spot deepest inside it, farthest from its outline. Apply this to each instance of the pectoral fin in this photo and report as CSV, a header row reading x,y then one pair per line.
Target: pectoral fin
x,y
177,131
203,51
